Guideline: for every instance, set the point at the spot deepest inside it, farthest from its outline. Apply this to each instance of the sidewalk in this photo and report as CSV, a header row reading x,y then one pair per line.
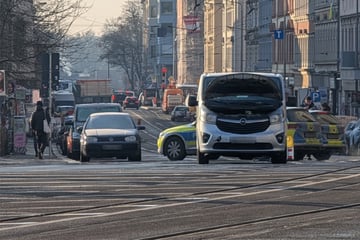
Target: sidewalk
x,y
30,153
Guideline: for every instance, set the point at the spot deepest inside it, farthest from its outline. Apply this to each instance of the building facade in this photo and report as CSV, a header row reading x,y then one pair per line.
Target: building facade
x,y
189,42
159,32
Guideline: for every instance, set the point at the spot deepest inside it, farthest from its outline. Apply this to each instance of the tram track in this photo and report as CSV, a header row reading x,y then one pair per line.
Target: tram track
x,y
209,196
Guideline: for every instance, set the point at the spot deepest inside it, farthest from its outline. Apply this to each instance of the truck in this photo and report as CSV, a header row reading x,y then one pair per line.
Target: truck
x,y
171,98
92,91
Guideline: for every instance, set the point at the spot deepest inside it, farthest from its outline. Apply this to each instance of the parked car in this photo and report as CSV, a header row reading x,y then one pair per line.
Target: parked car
x,y
352,137
110,134
64,133
332,132
81,113
177,142
63,111
303,135
181,113
131,102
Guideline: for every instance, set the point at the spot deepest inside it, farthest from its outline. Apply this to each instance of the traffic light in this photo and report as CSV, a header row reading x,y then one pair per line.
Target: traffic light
x,y
55,72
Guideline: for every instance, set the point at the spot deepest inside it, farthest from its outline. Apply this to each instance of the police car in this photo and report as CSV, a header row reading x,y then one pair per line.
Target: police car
x,y
177,142
332,133
303,134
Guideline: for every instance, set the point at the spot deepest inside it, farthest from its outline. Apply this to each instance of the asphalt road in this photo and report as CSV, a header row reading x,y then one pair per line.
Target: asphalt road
x,y
59,198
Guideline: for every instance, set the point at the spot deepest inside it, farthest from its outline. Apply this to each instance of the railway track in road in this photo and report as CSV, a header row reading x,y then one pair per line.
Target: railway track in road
x,y
242,194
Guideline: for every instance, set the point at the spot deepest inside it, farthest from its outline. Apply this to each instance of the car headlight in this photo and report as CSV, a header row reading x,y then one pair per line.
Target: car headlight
x,y
130,139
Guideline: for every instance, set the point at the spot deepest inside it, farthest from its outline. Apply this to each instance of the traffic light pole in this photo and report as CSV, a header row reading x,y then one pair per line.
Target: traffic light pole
x,y
50,104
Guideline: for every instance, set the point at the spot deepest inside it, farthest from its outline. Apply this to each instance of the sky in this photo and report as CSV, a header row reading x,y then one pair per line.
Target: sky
x,y
96,16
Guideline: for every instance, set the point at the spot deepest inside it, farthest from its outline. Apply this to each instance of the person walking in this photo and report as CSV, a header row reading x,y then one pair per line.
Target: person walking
x,y
37,125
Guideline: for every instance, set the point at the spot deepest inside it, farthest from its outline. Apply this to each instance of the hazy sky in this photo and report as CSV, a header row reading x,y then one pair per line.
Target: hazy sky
x,y
96,17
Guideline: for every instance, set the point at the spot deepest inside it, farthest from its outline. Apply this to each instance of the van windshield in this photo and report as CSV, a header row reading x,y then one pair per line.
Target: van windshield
x,y
244,92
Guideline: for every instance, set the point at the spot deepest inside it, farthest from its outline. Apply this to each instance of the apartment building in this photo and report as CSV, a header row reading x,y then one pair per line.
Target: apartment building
x,y
224,32
159,32
189,42
349,100
258,37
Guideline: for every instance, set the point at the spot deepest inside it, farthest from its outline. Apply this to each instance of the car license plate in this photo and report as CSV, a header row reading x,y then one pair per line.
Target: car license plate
x,y
112,147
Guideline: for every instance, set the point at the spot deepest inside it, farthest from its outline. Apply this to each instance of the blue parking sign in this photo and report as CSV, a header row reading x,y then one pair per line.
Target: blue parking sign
x,y
316,97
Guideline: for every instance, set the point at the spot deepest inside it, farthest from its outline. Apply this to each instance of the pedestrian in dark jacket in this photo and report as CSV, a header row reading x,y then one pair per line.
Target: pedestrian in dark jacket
x,y
37,125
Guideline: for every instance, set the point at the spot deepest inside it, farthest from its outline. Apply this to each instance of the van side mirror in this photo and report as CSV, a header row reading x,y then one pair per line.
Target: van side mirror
x,y
191,101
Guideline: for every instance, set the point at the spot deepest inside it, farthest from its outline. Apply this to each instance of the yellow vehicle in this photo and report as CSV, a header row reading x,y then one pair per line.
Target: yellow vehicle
x,y
303,134
332,133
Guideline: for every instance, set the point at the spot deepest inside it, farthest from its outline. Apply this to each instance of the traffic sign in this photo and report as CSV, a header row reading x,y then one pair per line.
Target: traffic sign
x,y
164,70
279,34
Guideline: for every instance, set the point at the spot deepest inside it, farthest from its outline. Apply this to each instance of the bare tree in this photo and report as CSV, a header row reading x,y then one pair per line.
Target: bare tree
x,y
122,43
28,29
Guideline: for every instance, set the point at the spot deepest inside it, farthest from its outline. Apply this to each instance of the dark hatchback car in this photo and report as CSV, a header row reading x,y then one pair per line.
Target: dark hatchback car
x,y
81,113
110,135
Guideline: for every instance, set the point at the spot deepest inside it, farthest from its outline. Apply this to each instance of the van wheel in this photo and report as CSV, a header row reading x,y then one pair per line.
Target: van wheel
x,y
201,157
279,158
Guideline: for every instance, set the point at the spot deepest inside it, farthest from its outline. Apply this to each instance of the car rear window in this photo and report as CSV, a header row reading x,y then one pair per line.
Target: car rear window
x,y
326,119
299,115
84,112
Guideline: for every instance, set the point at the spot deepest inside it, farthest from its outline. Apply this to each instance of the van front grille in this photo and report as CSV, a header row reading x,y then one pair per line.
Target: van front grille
x,y
243,127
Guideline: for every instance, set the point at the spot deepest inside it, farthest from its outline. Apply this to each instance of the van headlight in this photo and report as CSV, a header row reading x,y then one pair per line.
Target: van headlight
x,y
207,116
275,118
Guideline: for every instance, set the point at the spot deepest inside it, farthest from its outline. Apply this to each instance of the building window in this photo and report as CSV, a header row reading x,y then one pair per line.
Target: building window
x,y
153,51
166,8
153,11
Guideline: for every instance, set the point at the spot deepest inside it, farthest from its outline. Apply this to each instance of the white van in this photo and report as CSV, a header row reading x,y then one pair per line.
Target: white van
x,y
241,115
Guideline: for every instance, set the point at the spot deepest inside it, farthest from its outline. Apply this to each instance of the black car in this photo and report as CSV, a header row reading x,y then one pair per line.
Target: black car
x,y
110,135
81,113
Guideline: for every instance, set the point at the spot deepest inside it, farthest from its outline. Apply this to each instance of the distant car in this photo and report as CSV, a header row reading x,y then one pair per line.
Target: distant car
x,y
177,142
130,102
303,135
181,113
81,113
353,137
64,111
347,135
119,96
110,135
64,133
332,132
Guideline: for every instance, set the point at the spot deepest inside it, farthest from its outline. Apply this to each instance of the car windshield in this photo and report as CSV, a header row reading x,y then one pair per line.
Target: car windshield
x,y
110,122
84,113
296,115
